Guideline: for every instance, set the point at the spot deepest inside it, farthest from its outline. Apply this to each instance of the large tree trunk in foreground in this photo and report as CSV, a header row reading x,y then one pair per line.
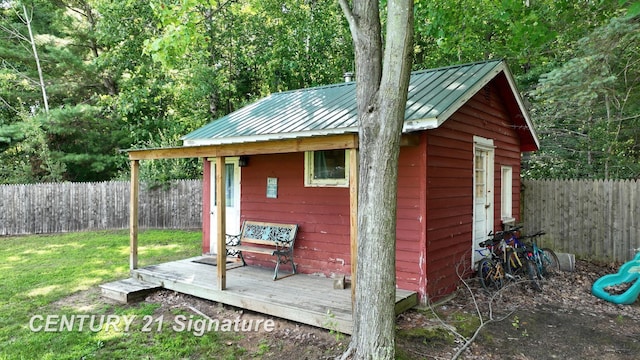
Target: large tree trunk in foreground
x,y
381,94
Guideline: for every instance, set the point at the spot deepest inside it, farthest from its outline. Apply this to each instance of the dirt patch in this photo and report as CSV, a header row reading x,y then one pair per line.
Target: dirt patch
x,y
564,321
285,340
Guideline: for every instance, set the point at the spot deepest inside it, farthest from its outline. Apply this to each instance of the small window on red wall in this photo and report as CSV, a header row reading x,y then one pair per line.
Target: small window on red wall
x,y
506,194
326,168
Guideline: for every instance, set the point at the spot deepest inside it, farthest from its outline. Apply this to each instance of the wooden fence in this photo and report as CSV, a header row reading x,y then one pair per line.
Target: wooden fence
x,y
67,207
597,220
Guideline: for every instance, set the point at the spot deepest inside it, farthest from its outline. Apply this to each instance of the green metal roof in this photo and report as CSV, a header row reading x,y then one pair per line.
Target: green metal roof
x,y
433,96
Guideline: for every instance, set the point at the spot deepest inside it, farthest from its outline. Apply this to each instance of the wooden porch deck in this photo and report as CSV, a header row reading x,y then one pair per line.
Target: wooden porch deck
x,y
301,298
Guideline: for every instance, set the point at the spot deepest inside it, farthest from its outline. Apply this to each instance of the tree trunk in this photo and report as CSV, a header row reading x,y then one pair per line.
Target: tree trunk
x,y
382,96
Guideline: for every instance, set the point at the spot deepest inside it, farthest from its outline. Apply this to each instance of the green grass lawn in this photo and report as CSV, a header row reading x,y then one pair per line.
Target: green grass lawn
x,y
37,272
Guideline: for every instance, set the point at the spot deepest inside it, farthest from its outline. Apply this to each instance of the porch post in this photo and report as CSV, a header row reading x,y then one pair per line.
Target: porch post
x,y
133,214
353,218
221,210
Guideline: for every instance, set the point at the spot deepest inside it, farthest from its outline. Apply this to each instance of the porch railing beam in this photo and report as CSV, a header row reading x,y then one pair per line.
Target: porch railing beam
x,y
330,142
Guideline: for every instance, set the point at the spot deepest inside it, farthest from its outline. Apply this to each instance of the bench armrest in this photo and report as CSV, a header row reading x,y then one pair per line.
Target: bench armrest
x,y
232,240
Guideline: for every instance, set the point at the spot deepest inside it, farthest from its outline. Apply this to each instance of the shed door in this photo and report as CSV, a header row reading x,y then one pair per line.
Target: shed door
x,y
483,193
232,186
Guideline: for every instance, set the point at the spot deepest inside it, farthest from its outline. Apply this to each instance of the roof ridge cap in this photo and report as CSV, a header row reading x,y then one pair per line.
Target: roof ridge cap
x,y
442,68
319,87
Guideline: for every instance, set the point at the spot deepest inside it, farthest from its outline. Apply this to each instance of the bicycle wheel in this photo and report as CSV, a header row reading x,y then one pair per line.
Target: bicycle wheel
x,y
491,275
533,274
550,263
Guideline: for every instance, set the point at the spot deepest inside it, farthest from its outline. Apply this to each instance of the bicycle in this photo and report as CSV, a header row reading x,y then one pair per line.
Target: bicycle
x,y
546,259
510,260
490,269
523,259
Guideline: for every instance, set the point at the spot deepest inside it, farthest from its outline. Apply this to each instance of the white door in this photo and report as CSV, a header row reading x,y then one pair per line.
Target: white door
x,y
482,193
232,187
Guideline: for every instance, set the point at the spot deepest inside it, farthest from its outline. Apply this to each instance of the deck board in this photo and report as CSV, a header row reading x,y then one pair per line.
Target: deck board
x,y
307,299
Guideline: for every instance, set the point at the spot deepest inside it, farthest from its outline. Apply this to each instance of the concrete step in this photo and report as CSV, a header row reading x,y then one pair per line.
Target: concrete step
x,y
128,290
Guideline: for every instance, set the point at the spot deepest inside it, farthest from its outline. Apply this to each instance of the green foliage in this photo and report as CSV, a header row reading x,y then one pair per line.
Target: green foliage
x,y
633,6
301,44
332,325
530,35
263,348
68,144
161,172
28,158
587,109
251,48
83,139
134,73
435,334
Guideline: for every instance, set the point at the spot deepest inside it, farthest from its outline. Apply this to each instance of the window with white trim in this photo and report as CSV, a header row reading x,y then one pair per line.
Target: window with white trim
x,y
326,168
507,194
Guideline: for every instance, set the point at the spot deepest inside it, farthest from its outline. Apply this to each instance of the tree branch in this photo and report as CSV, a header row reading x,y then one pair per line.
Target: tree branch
x,y
462,276
13,33
351,19
2,100
27,21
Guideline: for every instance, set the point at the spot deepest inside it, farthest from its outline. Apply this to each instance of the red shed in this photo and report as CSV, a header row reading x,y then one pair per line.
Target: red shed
x,y
288,160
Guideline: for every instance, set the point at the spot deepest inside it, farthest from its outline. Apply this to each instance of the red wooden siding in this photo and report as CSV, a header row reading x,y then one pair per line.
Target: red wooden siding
x,y
411,220
450,184
322,245
322,213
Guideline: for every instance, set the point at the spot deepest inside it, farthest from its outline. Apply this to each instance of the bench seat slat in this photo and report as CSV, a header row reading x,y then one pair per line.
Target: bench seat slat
x,y
253,249
244,240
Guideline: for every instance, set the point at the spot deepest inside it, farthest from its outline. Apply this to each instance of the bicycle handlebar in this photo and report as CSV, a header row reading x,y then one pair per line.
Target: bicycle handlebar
x,y
489,243
539,233
499,235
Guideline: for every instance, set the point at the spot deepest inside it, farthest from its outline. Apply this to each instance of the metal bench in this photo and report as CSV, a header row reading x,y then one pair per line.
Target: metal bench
x,y
265,238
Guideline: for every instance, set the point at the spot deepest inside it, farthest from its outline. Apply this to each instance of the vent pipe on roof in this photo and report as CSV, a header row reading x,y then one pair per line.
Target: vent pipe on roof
x,y
348,77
